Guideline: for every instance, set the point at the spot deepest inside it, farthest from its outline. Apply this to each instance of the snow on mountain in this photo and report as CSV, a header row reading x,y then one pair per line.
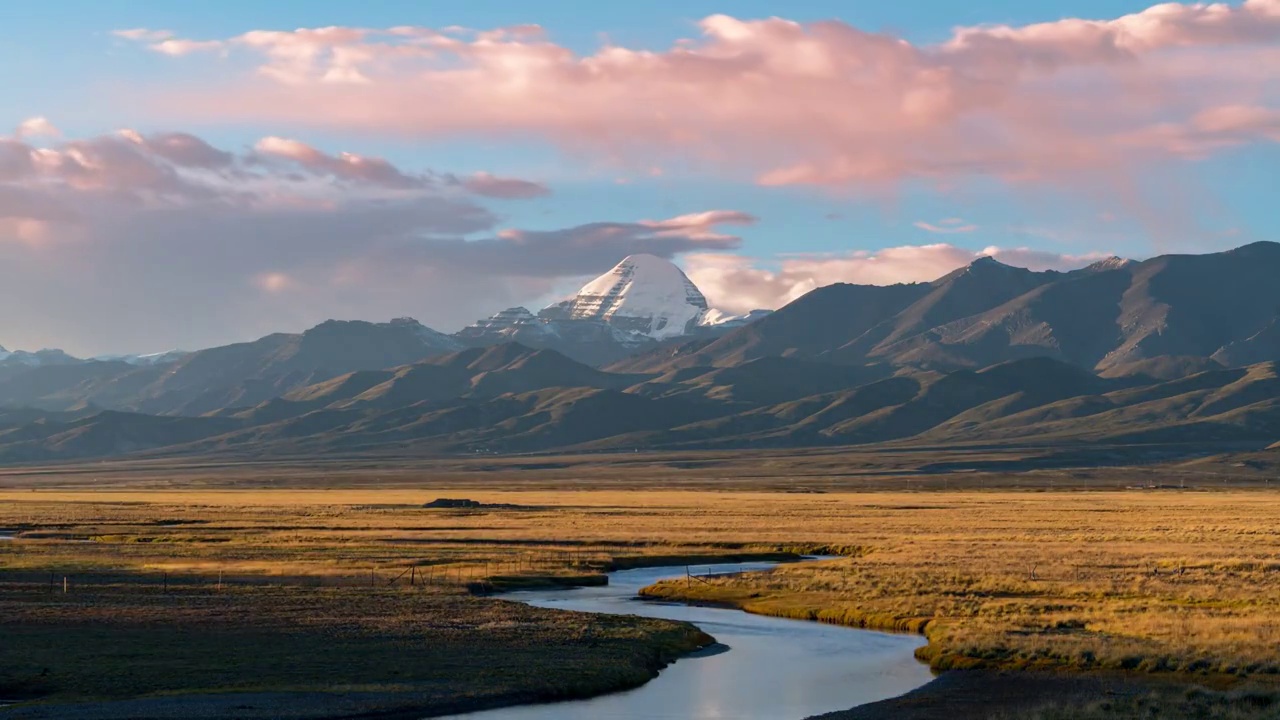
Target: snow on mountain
x,y
722,320
505,322
432,339
47,357
38,358
1111,263
642,294
146,360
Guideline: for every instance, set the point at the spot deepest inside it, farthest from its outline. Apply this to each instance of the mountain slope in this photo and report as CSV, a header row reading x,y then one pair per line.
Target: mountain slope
x,y
238,375
1114,313
1197,304
813,325
103,434
445,405
1177,350
983,284
483,372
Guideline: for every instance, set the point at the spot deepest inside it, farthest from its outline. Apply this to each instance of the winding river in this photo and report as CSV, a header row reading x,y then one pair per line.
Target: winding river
x,y
774,669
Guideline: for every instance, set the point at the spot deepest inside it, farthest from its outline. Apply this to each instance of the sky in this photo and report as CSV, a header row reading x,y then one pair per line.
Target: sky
x,y
183,175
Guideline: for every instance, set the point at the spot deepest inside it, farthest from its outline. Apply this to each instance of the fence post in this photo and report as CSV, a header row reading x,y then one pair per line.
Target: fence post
x,y
64,584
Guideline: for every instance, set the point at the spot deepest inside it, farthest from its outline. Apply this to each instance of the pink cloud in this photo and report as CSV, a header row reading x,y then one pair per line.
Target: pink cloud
x,y
701,225
787,103
177,47
504,188
949,226
344,166
738,284
273,282
143,34
36,127
156,231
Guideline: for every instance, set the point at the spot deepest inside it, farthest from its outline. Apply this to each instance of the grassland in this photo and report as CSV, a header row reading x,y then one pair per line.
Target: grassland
x,y
1193,704
1149,581
1174,583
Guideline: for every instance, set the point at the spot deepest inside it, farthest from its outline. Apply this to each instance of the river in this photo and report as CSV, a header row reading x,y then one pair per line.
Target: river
x,y
774,669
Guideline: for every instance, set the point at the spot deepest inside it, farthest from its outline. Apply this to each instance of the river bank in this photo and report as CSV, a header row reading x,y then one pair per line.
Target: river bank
x,y
1152,583
1074,672
122,651
822,668
999,695
988,694
771,669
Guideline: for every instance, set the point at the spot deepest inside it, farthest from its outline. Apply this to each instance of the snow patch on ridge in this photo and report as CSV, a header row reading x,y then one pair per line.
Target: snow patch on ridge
x,y
721,319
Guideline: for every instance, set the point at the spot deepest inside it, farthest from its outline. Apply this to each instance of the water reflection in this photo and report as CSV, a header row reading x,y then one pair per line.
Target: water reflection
x,y
775,669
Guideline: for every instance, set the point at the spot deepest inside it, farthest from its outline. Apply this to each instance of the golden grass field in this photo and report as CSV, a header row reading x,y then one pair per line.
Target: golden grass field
x,y
1175,580
1167,581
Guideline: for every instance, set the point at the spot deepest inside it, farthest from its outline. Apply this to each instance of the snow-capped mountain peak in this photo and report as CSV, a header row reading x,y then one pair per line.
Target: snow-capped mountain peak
x,y
1111,263
643,294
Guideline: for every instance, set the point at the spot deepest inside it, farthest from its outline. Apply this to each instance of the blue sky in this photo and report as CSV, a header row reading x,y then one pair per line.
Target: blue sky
x,y
67,65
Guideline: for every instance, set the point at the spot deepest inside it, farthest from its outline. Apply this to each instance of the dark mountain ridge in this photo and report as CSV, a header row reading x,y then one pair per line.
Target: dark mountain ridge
x,y
1178,350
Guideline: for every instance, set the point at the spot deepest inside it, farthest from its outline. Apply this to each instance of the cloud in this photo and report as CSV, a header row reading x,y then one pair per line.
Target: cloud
x,y
738,284
950,226
184,47
143,34
274,282
591,248
702,225
789,103
174,242
503,188
344,166
36,127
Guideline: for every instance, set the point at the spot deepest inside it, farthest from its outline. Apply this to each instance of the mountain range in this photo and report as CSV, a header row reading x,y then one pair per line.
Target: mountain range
x,y
1179,352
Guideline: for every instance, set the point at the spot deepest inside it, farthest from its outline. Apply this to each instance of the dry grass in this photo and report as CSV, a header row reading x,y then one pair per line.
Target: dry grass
x,y
419,650
1143,580
1195,704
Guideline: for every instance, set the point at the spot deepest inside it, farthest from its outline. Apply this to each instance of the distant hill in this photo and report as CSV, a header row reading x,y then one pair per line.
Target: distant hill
x,y
1222,306
242,374
1177,353
515,399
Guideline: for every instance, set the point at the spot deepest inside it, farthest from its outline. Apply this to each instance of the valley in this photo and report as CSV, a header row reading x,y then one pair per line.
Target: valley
x,y
640,361
1060,482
